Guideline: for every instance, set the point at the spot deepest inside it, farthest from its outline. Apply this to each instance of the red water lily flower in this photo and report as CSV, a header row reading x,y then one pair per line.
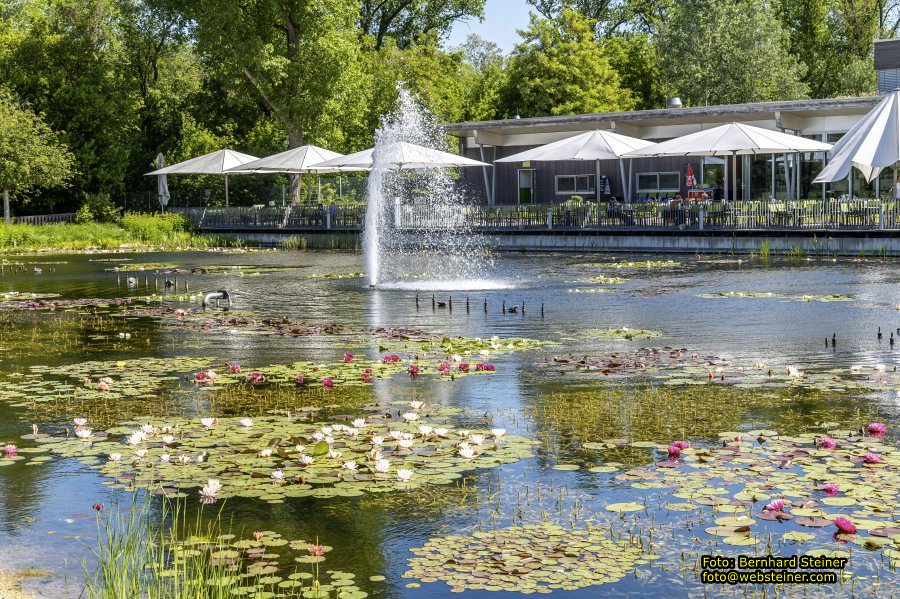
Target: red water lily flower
x,y
413,370
674,452
844,525
831,489
327,382
348,357
234,368
877,429
828,443
872,458
464,367
299,379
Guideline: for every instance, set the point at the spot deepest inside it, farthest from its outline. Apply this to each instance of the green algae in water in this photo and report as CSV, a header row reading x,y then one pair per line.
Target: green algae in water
x,y
603,280
635,264
832,297
526,559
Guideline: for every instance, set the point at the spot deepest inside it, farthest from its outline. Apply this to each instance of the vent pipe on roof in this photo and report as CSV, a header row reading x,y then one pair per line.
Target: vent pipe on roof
x,y
674,103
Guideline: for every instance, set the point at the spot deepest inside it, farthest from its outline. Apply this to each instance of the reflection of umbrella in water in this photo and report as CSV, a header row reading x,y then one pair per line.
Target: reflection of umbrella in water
x,y
162,184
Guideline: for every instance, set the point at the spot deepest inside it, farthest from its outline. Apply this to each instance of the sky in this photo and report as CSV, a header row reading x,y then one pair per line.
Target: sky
x,y
501,20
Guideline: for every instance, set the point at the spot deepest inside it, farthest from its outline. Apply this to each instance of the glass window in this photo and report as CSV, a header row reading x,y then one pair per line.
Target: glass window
x,y
659,181
574,184
565,184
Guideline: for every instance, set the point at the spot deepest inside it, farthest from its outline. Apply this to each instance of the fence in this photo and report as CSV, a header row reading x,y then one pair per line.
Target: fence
x,y
44,219
813,215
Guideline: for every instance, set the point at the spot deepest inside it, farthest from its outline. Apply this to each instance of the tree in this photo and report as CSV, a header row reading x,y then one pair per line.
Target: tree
x,y
612,17
636,59
728,52
560,69
31,155
408,20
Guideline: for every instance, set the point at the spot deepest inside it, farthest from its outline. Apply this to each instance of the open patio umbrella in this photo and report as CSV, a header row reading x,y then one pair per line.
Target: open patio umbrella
x,y
295,161
162,185
214,163
732,139
400,155
594,145
871,145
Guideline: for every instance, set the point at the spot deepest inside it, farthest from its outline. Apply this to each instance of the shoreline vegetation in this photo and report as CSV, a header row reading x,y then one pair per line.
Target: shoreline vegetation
x,y
11,583
135,232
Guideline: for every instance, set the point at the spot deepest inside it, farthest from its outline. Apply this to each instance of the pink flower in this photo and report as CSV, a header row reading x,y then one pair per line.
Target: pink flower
x,y
103,386
200,376
391,358
234,368
831,489
10,450
464,367
444,368
828,443
328,383
872,458
348,357
775,506
316,550
681,444
844,525
877,429
674,451
299,379
366,377
413,370
489,368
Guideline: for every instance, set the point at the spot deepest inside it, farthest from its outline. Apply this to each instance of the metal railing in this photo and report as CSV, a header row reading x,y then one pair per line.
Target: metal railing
x,y
45,219
812,215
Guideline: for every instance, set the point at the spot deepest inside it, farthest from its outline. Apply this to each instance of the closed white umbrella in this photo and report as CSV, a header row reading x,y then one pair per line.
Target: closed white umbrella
x,y
214,163
733,139
871,145
400,155
594,145
162,184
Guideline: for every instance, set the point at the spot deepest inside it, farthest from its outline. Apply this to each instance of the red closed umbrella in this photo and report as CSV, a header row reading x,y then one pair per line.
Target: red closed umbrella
x,y
690,181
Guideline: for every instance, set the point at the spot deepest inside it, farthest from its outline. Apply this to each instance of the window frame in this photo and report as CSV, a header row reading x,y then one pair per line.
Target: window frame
x,y
590,190
658,188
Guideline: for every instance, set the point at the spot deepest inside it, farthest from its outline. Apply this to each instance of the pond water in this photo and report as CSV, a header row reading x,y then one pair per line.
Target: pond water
x,y
738,325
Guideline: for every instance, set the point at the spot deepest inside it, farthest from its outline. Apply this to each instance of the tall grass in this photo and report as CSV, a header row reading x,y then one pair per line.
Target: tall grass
x,y
163,554
137,231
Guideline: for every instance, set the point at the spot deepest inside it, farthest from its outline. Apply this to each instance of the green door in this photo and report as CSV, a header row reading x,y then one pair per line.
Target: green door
x,y
526,186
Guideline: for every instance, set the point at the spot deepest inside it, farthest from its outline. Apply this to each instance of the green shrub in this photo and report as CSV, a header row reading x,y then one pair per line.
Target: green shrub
x,y
98,208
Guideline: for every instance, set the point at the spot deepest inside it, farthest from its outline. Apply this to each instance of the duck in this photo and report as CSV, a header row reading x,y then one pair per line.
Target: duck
x,y
513,309
442,304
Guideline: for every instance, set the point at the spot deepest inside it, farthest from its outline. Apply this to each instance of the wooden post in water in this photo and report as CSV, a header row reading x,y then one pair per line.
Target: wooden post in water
x,y
417,302
542,310
450,303
467,305
504,306
485,306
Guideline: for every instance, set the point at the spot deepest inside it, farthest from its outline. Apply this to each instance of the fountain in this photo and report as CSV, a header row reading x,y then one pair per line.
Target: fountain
x,y
416,235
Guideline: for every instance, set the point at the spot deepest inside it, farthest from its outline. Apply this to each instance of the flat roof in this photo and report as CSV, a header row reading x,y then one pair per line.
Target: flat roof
x,y
670,116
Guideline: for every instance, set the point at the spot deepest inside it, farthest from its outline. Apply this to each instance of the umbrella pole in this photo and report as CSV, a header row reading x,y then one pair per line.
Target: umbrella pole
x,y
630,165
725,180
226,191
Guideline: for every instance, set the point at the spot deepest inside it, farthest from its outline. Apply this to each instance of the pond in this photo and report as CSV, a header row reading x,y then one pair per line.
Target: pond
x,y
574,375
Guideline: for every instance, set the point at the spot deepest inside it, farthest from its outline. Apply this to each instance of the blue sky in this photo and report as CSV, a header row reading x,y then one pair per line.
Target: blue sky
x,y
501,20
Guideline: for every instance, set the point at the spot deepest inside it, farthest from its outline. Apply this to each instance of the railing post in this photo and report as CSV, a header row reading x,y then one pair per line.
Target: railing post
x,y
327,218
701,216
881,217
550,219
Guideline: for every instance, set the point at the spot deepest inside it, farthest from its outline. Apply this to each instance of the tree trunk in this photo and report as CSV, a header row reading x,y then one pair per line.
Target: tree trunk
x,y
6,206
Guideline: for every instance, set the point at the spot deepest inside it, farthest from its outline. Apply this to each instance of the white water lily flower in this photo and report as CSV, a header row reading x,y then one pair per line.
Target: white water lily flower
x,y
498,432
165,457
167,439
404,474
265,453
83,433
214,484
477,439
327,430
407,436
395,435
794,372
462,433
80,421
425,430
880,367
760,365
318,436
416,405
184,459
382,466
358,422
208,495
166,429
467,452
463,445
456,358
329,440
441,432
208,422
374,454
248,422
299,448
856,368
148,429
484,353
140,453
409,416
405,443
334,454
306,460
136,438
278,475
349,465
115,457
377,440
352,431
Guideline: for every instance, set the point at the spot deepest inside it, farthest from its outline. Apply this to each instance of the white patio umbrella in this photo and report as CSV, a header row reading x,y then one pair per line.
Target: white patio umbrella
x,y
162,184
732,139
400,155
594,145
295,161
214,163
871,145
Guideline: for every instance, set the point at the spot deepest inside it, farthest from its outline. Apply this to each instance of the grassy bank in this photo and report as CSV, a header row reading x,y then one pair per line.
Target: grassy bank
x,y
135,232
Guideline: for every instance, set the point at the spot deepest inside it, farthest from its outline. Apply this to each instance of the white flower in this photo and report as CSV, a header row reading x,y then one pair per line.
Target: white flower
x,y
374,454
327,430
477,439
464,445
334,454
794,372
405,443
485,353
498,432
880,367
136,438
166,429
214,484
208,495
856,368
404,474
148,429
441,432
377,440
358,422
140,453
184,459
248,422
299,448
462,433
407,436
165,458
329,440
318,436
395,435
352,431
305,460
425,430
760,365
265,453
416,405
208,422
79,421
167,439
83,433
278,475
467,452
210,375
115,457
349,465
382,466
409,416
456,358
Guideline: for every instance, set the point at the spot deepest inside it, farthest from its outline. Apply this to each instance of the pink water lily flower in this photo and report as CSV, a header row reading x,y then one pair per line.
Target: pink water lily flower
x,y
299,379
872,458
366,377
464,367
831,489
674,452
444,368
681,444
348,357
10,450
877,429
328,382
775,506
844,525
234,368
828,443
391,359
413,370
